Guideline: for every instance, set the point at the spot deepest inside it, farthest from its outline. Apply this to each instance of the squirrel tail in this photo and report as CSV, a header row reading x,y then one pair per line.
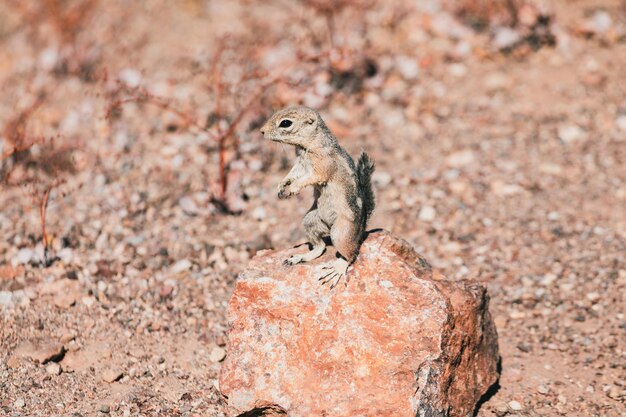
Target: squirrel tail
x,y
364,170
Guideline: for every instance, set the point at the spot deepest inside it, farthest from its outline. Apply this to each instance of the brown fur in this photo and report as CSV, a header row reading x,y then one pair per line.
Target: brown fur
x,y
343,198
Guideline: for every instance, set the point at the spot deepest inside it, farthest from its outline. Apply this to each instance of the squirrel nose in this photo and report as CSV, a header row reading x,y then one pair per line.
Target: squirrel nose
x,y
262,131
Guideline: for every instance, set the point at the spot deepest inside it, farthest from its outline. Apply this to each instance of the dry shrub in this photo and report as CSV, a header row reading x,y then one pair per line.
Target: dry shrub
x,y
481,14
533,25
37,165
66,20
41,166
236,84
330,11
14,132
347,65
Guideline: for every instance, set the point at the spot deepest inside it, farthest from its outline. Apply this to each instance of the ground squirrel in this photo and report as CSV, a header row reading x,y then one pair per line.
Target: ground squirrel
x,y
343,194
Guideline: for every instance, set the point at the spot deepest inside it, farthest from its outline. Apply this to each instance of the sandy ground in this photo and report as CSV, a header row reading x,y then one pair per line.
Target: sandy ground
x,y
505,168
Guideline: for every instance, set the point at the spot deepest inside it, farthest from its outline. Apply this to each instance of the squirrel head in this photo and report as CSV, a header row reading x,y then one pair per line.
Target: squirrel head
x,y
298,126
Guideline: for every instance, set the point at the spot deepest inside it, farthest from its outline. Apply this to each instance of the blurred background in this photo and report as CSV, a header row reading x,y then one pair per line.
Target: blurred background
x,y
135,185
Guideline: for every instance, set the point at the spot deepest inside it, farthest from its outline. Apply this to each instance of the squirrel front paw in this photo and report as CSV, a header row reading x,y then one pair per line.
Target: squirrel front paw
x,y
284,189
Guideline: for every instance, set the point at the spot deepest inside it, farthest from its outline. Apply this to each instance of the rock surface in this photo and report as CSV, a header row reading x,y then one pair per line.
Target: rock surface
x,y
39,350
398,340
111,375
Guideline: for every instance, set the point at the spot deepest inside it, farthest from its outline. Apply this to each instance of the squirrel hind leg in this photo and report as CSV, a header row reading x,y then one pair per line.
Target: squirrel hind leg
x,y
346,238
315,229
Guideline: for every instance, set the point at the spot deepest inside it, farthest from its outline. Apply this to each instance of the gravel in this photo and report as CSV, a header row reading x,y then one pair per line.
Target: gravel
x,y
506,167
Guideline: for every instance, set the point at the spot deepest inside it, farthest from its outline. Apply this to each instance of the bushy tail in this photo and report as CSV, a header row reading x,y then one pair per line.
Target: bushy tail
x,y
364,170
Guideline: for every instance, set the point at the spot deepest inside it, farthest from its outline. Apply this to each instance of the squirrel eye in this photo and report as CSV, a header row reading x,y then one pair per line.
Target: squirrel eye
x,y
285,123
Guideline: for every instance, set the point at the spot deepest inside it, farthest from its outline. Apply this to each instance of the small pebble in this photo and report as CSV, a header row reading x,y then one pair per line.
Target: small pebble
x,y
408,67
594,297
189,206
49,58
111,375
217,354
180,266
542,389
460,159
427,214
621,123
457,70
130,77
515,406
501,409
88,300
571,133
19,403
5,298
616,393
599,23
24,255
496,81
259,213
505,37
381,178
53,368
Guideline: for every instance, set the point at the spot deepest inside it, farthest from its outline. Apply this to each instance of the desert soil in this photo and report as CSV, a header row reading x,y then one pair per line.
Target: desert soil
x,y
506,168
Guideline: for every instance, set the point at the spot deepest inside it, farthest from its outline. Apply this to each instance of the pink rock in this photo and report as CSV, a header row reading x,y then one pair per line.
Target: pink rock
x,y
398,340
40,350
